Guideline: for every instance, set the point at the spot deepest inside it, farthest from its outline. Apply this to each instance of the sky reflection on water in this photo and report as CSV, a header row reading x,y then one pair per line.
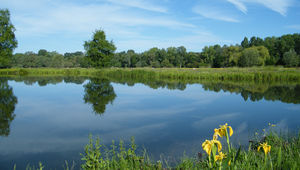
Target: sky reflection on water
x,y
52,122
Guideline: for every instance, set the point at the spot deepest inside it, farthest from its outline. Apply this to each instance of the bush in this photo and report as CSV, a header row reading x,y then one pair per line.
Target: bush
x,y
290,58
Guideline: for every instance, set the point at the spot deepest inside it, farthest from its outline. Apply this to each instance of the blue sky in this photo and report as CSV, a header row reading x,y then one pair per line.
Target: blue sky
x,y
64,25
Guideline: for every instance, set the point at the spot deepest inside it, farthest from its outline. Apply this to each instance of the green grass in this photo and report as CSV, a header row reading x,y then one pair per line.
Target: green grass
x,y
284,154
185,74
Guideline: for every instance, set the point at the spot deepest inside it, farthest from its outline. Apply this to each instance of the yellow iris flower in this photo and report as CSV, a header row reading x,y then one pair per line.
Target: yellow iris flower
x,y
220,157
222,131
266,148
208,144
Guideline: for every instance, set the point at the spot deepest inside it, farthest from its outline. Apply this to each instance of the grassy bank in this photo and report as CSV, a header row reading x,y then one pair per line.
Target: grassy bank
x,y
267,150
183,74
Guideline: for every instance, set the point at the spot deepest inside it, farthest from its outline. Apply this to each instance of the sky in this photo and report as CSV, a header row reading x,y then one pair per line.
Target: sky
x,y
64,25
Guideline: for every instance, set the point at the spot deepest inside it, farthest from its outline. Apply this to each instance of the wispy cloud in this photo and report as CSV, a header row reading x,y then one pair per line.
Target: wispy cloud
x,y
280,6
213,13
140,4
240,5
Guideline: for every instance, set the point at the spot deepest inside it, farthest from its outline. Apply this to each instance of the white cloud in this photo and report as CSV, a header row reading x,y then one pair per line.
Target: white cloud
x,y
140,4
85,19
238,4
280,6
213,13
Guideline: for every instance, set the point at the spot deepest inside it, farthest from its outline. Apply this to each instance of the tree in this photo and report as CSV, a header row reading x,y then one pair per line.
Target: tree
x,y
99,51
254,56
42,52
290,58
8,41
249,57
245,43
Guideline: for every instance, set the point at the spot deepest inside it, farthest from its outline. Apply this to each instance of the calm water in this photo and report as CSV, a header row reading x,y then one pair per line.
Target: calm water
x,y
50,119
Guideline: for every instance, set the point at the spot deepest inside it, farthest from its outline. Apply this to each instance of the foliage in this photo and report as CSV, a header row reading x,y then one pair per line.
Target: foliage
x,y
8,41
254,56
99,51
291,59
269,152
96,157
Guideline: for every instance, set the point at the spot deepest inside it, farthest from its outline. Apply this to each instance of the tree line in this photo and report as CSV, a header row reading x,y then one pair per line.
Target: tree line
x,y
99,53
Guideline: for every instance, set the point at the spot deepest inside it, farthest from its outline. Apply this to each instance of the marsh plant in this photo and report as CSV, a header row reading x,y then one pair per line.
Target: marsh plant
x,y
268,152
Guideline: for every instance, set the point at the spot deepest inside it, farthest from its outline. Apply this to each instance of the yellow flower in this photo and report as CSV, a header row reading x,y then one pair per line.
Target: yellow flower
x,y
219,132
266,148
229,163
220,157
222,130
208,144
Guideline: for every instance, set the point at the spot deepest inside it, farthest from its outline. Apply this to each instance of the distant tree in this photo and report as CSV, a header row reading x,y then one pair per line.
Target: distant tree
x,y
290,58
245,43
42,52
8,41
181,51
256,41
254,56
249,57
166,63
98,50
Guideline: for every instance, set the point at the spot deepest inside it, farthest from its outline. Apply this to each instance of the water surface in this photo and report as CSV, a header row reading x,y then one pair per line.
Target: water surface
x,y
50,119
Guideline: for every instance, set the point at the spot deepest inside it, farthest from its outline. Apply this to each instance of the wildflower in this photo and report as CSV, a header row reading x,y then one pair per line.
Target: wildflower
x,y
220,157
219,132
222,131
229,163
209,144
266,148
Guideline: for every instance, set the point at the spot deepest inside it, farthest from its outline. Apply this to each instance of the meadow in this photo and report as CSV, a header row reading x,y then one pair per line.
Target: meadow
x,y
188,74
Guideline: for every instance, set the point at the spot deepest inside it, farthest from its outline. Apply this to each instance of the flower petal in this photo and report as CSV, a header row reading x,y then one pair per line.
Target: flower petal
x,y
230,130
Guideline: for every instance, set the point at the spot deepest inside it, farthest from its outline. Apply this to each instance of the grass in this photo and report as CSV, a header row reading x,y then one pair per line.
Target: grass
x,y
186,74
284,154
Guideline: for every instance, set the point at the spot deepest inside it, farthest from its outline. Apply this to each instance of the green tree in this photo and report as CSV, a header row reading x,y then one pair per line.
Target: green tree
x,y
254,56
245,43
99,51
8,41
290,58
249,57
42,52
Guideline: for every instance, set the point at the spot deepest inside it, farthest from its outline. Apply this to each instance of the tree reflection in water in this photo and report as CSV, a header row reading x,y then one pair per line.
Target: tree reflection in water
x,y
98,93
8,102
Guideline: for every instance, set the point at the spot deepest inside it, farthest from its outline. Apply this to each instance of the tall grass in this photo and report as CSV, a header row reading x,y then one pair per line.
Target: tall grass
x,y
231,74
284,154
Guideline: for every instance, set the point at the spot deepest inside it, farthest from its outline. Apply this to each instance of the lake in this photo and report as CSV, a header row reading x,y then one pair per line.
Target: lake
x,y
49,119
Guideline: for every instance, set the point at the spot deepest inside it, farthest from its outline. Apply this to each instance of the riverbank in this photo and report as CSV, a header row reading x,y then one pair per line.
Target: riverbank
x,y
267,150
183,74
